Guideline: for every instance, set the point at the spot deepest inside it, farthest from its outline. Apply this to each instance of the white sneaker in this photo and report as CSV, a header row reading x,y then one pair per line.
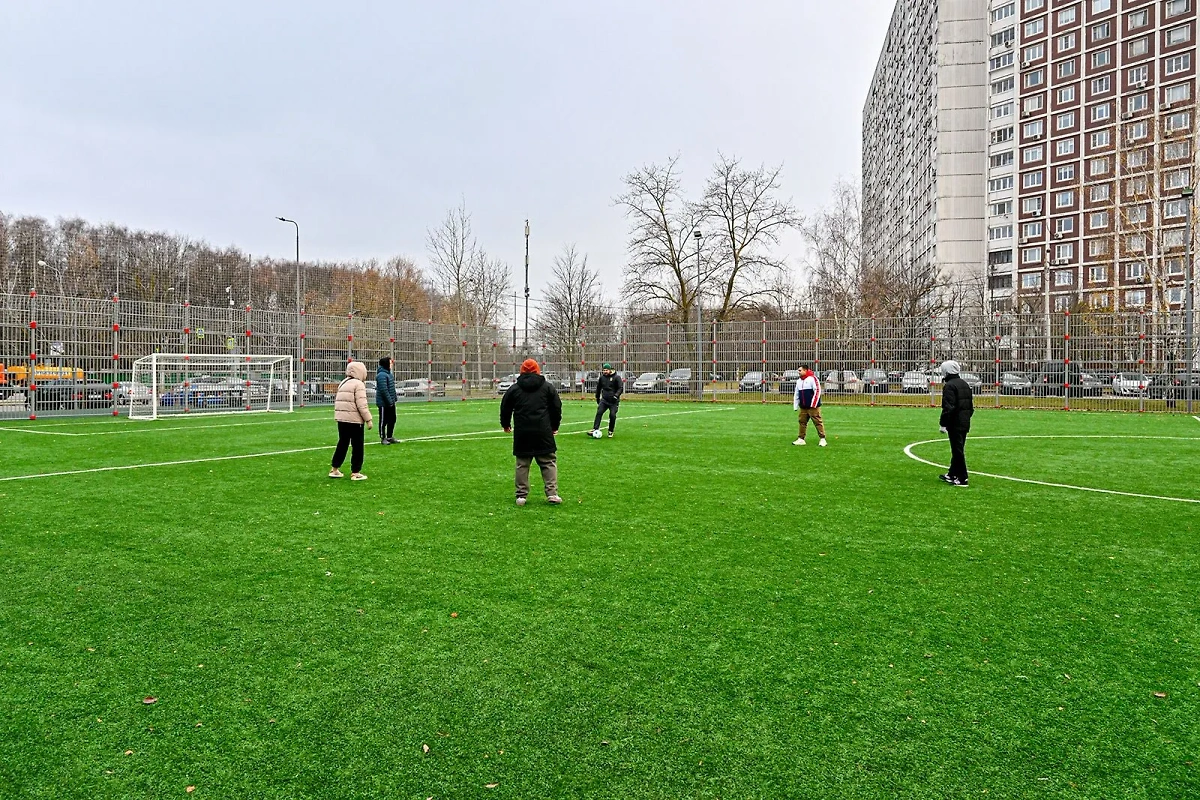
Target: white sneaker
x,y
799,441
554,500
357,476
335,473
823,443
520,501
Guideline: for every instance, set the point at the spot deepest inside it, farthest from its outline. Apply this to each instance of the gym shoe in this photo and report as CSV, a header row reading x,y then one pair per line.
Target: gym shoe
x,y
393,440
554,500
799,441
384,441
961,482
946,479
335,473
520,501
823,443
610,434
357,476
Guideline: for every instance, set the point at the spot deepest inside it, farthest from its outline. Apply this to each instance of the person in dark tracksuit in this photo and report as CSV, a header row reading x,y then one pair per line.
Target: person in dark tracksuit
x,y
609,388
385,399
957,409
532,411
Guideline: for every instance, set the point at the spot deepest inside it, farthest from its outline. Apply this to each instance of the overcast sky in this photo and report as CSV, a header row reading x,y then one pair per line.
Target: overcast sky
x,y
367,121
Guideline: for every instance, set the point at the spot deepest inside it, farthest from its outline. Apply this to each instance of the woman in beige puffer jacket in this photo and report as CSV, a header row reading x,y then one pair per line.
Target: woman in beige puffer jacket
x,y
353,415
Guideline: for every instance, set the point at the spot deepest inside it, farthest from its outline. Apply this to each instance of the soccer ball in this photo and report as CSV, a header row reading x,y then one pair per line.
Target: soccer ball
x,y
597,434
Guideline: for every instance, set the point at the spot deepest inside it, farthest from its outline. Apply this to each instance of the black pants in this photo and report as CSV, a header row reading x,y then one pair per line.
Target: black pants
x,y
350,434
958,461
611,407
387,421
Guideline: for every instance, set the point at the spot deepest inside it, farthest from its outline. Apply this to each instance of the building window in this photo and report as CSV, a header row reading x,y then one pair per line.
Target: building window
x,y
1066,95
1031,180
1138,19
1033,52
1138,75
1100,193
1102,58
1135,271
1175,295
1136,215
1064,225
1033,130
1097,274
1176,150
1135,243
1004,37
1101,85
1101,139
1062,303
1034,5
1064,252
1139,47
1064,147
1066,16
1098,300
1177,94
1138,130
1035,78
1066,42
1063,277
1032,205
1004,12
1101,112
1000,257
1064,173
1064,199
1137,158
1137,102
1001,111
1033,27
1177,179
1000,62
1173,237
1101,31
1000,184
1031,154
1100,6
1098,166
1174,208
1135,297
1136,186
1174,266
1001,135
1181,121
1179,35
1177,64
1004,159
1031,230
1177,7
1000,232
1001,209
1003,85
1098,220
1031,255
1097,247
1033,103
1064,121
1066,68
1031,280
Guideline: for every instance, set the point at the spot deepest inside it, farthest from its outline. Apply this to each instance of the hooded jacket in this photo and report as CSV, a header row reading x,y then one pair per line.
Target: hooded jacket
x,y
609,388
533,409
385,385
808,391
957,405
350,404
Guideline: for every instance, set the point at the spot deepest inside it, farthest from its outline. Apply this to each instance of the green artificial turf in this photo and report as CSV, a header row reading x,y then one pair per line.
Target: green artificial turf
x,y
712,612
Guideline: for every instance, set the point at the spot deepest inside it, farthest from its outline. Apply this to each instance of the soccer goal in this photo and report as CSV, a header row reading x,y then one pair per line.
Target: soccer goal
x,y
169,384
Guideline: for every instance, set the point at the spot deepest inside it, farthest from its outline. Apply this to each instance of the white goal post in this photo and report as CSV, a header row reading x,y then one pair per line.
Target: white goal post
x,y
170,384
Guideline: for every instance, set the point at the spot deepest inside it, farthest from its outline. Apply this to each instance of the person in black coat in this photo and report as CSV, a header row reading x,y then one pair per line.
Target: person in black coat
x,y
532,411
957,408
609,389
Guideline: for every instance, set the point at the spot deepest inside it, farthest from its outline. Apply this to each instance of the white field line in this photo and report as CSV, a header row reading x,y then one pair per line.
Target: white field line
x,y
1196,418
908,452
152,427
293,451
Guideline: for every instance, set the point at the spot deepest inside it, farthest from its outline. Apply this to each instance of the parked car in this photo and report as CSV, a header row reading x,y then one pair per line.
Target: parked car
x,y
65,394
875,381
844,380
370,391
422,387
787,382
559,382
506,382
754,382
1091,385
914,381
1061,379
125,390
972,380
649,382
1130,383
679,381
1015,383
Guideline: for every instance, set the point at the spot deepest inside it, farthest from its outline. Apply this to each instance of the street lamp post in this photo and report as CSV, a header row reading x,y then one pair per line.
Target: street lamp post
x,y
299,318
699,324
1189,291
526,344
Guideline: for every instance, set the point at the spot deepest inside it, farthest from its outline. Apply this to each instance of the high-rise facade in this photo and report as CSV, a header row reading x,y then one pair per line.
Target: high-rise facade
x,y
1090,114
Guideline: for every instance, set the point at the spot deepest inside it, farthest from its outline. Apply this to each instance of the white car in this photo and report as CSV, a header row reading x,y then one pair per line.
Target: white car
x,y
1130,383
914,381
844,380
650,382
506,383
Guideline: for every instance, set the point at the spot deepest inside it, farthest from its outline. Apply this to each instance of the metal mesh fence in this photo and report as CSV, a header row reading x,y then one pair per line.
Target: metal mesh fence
x,y
70,355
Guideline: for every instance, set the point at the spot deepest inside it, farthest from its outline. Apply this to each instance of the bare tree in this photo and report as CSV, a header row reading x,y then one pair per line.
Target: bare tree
x,y
452,252
489,280
572,300
834,260
746,219
660,224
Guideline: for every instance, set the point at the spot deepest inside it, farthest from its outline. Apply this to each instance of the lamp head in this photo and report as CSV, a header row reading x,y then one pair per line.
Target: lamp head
x,y
697,234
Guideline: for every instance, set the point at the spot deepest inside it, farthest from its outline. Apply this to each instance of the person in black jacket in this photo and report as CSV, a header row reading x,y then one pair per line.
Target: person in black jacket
x,y
957,409
609,389
532,411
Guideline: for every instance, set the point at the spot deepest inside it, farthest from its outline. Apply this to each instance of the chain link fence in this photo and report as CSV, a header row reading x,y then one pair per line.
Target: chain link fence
x,y
73,355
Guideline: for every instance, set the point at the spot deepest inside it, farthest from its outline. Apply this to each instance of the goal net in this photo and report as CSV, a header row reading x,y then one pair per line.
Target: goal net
x,y
168,384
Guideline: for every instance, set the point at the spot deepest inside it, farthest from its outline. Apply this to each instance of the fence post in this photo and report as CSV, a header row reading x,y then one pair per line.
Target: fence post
x,y
31,376
187,372
301,383
495,344
817,348
996,366
668,381
249,334
713,371
1141,357
116,334
463,365
350,336
872,385
1067,360
763,385
932,360
625,357
582,362
429,362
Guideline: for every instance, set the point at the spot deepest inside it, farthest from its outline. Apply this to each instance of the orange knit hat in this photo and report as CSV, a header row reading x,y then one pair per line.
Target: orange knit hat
x,y
529,365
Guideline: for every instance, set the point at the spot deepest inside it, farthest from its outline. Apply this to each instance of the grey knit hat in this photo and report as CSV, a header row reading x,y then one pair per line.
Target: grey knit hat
x,y
951,367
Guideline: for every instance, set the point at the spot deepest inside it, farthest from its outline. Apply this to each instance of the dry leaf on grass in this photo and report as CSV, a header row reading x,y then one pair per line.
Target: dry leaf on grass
x,y
453,613
491,785
425,749
191,789
1160,694
149,701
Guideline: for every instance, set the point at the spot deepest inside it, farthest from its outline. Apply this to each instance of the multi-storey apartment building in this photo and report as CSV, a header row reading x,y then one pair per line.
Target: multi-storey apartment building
x,y
924,141
1091,121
